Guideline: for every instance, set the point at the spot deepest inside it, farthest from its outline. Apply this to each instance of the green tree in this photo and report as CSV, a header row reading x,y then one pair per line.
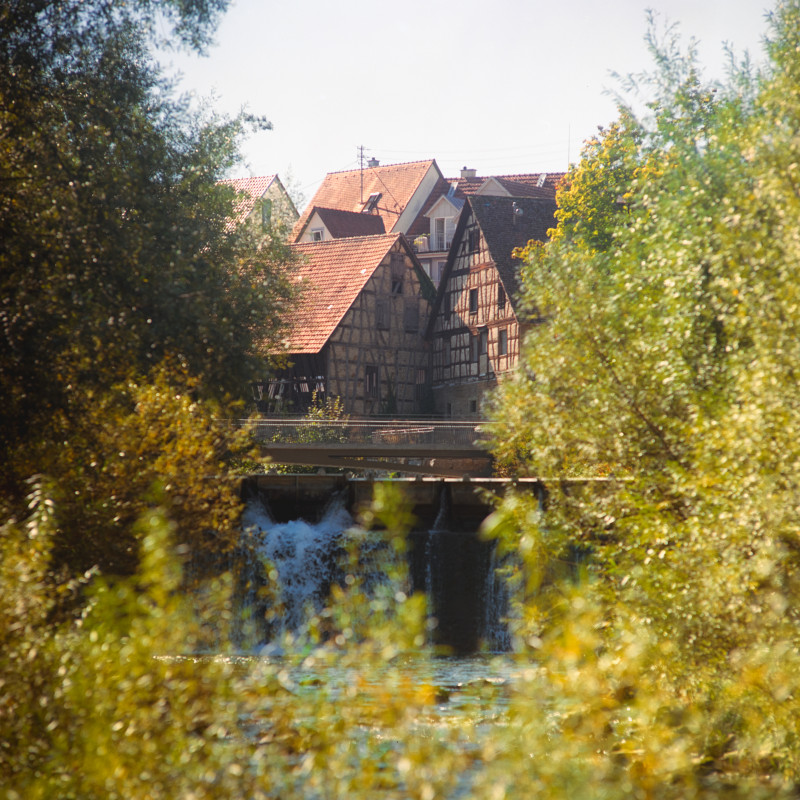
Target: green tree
x,y
115,252
118,269
668,366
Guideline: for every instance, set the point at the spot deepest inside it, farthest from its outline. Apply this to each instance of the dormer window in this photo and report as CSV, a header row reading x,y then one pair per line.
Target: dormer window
x,y
372,203
316,234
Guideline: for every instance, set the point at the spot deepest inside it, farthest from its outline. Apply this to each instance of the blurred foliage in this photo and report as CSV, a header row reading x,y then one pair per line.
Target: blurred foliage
x,y
314,429
655,586
659,404
116,249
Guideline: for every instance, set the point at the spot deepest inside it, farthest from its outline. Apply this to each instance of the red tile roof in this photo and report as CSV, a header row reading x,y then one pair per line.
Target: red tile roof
x,y
331,275
341,224
250,190
350,190
514,183
520,185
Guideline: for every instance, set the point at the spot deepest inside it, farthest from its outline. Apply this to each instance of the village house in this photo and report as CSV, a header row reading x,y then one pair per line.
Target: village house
x,y
394,194
475,330
413,198
374,245
357,333
433,230
263,203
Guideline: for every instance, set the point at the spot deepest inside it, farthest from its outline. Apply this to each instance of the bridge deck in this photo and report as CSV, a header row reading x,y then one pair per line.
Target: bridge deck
x,y
418,447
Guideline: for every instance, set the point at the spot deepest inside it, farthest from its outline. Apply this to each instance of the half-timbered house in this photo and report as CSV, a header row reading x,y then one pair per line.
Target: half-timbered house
x,y
475,329
433,230
357,333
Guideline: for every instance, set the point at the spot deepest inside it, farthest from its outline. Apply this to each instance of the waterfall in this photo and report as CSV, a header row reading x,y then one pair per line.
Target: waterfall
x,y
466,594
302,559
497,605
294,564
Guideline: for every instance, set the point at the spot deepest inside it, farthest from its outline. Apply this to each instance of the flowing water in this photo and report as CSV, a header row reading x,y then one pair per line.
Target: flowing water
x,y
463,671
295,563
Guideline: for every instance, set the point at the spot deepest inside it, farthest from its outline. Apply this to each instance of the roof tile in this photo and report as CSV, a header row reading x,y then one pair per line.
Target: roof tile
x,y
350,190
331,275
249,191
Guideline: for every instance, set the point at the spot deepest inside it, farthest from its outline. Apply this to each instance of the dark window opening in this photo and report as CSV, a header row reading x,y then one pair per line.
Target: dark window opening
x,y
411,316
371,382
473,301
398,273
372,202
483,342
501,298
502,342
382,315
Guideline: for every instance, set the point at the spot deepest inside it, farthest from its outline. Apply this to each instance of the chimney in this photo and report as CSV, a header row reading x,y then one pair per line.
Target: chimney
x,y
373,162
468,173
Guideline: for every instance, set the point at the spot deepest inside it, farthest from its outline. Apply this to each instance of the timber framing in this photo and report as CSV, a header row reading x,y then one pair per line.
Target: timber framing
x,y
475,331
357,333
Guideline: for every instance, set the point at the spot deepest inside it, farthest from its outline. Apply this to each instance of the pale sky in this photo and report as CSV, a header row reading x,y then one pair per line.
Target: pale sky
x,y
503,86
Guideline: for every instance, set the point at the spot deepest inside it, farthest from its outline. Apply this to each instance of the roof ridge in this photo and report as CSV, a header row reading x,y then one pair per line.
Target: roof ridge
x,y
385,166
367,236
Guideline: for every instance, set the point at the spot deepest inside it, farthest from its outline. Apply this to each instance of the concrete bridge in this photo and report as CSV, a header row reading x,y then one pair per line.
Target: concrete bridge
x,y
419,447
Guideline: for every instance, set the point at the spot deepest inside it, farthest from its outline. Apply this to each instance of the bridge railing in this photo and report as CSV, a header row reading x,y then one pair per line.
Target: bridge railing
x,y
365,432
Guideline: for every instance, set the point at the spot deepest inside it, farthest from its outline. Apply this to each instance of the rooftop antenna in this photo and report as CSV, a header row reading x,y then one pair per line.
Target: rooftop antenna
x,y
361,168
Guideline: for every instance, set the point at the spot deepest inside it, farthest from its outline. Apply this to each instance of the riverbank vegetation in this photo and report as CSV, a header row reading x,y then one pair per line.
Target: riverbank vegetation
x,y
655,616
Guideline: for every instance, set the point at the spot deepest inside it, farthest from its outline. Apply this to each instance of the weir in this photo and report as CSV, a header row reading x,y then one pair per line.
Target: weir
x,y
293,496
299,522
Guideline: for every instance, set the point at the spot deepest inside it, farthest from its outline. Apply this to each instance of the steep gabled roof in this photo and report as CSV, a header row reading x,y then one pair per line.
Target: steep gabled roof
x,y
503,230
532,184
508,223
331,275
500,187
250,191
350,191
422,223
342,224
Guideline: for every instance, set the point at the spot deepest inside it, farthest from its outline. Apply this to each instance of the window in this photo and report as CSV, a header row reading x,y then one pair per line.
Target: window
x,y
371,382
382,315
411,316
474,240
473,301
421,386
266,213
501,298
502,342
398,272
473,347
483,342
438,234
372,202
473,406
316,234
446,304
